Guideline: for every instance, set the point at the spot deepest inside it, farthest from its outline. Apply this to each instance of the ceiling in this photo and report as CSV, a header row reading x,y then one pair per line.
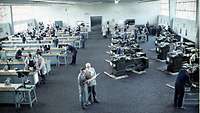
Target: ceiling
x,y
69,2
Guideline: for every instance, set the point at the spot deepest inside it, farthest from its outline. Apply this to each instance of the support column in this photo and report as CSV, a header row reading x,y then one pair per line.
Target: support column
x,y
11,20
172,11
197,22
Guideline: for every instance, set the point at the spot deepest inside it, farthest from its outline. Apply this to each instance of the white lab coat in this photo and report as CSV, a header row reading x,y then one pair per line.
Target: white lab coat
x,y
192,58
41,65
93,73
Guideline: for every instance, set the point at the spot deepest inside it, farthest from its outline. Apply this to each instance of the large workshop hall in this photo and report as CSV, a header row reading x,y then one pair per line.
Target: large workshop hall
x,y
99,56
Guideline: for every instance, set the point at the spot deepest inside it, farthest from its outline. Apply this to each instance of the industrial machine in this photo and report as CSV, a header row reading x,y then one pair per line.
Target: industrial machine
x,y
162,49
174,61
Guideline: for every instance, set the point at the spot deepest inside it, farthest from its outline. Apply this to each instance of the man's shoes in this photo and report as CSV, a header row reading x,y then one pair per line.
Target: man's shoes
x,y
175,106
96,101
83,107
180,107
88,103
72,63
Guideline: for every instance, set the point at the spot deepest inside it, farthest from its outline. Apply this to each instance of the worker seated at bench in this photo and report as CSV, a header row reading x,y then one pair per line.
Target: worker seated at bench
x,y
30,63
120,51
19,54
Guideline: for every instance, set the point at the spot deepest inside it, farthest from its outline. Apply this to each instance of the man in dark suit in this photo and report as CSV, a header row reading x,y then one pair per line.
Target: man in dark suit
x,y
73,50
23,38
181,80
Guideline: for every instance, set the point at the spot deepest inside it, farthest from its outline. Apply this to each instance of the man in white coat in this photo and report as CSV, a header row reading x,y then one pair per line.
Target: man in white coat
x,y
91,84
41,67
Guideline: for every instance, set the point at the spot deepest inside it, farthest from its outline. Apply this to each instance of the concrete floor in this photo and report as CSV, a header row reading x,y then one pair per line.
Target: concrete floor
x,y
146,93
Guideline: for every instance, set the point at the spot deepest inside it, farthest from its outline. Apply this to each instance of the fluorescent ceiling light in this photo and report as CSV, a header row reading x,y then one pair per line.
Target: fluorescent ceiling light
x,y
68,2
38,0
117,1
64,2
141,1
56,1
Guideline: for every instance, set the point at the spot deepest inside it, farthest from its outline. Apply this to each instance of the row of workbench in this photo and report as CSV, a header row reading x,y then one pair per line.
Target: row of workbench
x,y
17,86
126,56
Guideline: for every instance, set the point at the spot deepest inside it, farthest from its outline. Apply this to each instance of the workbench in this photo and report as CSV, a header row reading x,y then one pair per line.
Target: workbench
x,y
55,58
13,75
32,50
20,64
17,94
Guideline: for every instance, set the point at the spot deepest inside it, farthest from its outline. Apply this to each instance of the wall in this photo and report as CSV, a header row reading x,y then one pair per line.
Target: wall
x,y
163,20
4,28
142,12
5,14
24,25
5,20
181,26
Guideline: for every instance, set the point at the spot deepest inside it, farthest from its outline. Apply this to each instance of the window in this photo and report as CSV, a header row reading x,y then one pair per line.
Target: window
x,y
21,13
186,9
1,30
20,27
164,7
4,14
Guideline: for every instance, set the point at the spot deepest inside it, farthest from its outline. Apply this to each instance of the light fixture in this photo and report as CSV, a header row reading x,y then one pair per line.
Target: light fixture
x,y
56,2
117,1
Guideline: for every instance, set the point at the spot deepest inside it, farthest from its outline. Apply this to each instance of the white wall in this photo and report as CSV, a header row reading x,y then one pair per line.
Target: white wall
x,y
142,12
163,20
182,25
185,25
5,14
5,20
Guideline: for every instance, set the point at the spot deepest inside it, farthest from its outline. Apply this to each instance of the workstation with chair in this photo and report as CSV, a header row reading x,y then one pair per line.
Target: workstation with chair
x,y
106,56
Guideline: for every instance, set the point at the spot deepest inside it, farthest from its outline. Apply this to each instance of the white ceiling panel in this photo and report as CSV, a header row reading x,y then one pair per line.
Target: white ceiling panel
x,y
70,2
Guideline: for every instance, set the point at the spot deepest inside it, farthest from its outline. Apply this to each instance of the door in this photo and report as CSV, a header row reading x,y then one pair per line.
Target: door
x,y
96,23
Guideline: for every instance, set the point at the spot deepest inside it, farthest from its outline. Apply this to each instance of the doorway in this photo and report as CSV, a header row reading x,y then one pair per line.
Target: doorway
x,y
96,23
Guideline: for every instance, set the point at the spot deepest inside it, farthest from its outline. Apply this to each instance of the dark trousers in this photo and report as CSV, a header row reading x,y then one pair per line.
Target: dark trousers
x,y
82,43
74,58
56,44
43,77
91,93
178,96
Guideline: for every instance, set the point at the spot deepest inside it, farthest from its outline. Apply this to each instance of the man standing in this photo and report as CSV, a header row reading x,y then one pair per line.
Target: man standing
x,y
82,39
181,80
73,50
56,41
146,31
82,88
107,29
41,67
23,38
91,84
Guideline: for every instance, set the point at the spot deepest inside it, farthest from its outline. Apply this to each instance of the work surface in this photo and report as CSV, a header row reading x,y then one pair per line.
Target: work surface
x,y
146,93
11,87
11,72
